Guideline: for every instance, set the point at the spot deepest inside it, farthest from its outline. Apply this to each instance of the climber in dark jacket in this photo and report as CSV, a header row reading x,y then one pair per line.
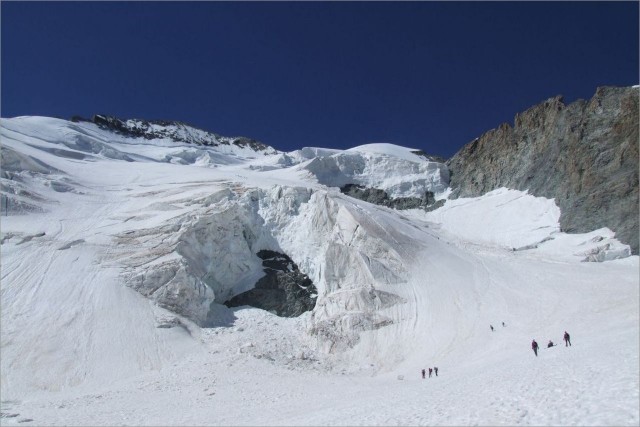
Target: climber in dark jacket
x,y
534,346
550,344
567,339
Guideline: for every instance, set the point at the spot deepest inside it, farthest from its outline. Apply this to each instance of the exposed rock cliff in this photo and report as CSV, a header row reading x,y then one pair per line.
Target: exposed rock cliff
x,y
584,155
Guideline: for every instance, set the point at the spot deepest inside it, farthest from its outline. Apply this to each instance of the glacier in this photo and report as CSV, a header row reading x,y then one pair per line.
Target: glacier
x,y
119,253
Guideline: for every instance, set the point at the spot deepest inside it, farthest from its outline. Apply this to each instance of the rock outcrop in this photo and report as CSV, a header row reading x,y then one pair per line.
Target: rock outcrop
x,y
173,130
380,197
284,290
584,155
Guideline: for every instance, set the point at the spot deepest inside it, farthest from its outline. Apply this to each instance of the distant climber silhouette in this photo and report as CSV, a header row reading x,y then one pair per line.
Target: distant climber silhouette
x,y
534,346
567,339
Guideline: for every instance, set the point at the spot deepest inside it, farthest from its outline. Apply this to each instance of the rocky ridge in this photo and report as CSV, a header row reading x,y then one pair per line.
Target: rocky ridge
x,y
584,155
173,130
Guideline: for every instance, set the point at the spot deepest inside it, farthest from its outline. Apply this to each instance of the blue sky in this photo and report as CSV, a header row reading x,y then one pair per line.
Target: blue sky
x,y
427,75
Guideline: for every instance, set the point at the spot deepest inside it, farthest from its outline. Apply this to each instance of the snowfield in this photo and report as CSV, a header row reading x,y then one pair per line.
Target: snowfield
x,y
117,254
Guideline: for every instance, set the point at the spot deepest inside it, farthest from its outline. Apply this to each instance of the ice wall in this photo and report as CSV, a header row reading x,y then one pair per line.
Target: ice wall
x,y
209,255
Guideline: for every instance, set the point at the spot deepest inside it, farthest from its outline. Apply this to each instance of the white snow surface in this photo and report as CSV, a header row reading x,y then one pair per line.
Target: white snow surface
x,y
399,171
101,232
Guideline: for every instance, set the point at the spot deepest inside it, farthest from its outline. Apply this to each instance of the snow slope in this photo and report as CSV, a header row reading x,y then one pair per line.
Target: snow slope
x,y
89,211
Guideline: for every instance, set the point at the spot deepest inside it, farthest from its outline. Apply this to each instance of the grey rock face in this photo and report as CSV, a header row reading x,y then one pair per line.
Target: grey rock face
x,y
284,289
380,197
584,155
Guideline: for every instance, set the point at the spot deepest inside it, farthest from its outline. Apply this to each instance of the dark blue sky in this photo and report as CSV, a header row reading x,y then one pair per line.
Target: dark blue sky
x,y
428,75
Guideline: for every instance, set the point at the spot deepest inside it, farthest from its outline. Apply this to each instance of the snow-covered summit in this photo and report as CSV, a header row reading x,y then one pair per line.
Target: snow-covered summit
x,y
395,171
400,172
393,150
